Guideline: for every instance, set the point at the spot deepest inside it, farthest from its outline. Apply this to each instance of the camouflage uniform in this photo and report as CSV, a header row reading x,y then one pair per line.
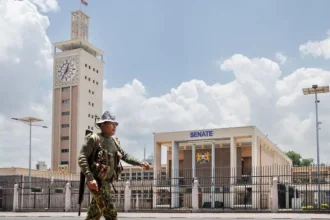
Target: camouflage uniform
x,y
102,203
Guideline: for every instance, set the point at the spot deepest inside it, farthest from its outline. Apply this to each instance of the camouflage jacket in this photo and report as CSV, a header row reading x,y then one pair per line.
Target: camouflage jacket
x,y
110,146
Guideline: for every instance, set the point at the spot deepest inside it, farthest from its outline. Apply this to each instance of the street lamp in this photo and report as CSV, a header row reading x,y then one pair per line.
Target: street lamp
x,y
30,121
315,90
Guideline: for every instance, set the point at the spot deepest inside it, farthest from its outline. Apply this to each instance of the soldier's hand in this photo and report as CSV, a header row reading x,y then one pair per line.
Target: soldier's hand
x,y
92,185
145,165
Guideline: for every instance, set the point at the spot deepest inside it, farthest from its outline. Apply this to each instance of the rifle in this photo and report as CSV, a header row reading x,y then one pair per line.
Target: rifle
x,y
81,191
82,182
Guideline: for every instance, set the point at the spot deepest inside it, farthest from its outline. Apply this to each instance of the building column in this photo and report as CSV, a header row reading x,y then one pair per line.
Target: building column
x,y
175,175
193,160
233,160
213,175
157,170
255,172
157,160
233,168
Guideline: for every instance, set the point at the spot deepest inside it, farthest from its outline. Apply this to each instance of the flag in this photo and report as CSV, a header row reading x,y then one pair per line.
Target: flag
x,y
84,2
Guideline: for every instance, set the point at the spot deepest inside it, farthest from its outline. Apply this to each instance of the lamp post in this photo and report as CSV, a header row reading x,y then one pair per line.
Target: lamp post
x,y
308,91
30,121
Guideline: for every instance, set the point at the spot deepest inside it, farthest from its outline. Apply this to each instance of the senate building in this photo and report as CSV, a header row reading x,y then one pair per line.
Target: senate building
x,y
221,159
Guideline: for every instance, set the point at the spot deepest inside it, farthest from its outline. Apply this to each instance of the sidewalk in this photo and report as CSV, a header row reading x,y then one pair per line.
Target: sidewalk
x,y
176,215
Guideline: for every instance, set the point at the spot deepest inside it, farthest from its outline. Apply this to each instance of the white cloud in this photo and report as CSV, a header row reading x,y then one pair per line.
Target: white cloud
x,y
317,48
281,58
46,5
26,64
258,96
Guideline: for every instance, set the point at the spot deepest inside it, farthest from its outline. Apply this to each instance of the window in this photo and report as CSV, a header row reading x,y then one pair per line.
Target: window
x,y
94,69
92,116
97,71
92,104
36,190
88,127
66,89
92,92
89,79
63,138
65,125
89,103
92,128
97,83
65,150
85,64
65,113
89,115
89,91
85,77
59,190
64,162
89,67
93,81
65,101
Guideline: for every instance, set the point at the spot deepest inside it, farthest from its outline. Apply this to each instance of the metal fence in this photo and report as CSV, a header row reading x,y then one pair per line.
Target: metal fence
x,y
300,190
229,190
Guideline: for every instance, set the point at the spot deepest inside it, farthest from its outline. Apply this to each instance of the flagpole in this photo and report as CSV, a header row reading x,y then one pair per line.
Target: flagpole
x,y
80,5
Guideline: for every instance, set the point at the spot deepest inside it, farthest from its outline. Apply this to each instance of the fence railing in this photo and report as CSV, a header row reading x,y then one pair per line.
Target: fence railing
x,y
295,189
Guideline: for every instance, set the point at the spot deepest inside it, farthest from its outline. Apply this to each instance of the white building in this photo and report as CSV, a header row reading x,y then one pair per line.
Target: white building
x,y
41,165
218,157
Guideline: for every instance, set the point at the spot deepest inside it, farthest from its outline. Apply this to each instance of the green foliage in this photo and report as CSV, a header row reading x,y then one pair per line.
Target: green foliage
x,y
307,162
323,206
295,157
298,161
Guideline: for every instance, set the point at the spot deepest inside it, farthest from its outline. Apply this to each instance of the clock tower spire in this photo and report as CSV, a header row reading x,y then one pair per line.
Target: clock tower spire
x,y
79,25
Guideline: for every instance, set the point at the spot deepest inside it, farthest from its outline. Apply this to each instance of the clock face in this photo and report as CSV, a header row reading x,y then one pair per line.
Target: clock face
x,y
66,70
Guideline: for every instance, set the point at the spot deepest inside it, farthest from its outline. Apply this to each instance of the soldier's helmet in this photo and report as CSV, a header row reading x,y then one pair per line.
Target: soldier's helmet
x,y
106,117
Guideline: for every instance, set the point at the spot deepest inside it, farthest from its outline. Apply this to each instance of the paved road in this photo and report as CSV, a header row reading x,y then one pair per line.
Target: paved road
x,y
165,216
70,218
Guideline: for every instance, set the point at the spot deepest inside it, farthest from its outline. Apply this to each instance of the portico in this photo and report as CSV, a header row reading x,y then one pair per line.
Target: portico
x,y
216,157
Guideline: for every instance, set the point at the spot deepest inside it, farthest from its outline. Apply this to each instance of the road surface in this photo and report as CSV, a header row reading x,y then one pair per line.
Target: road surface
x,y
166,216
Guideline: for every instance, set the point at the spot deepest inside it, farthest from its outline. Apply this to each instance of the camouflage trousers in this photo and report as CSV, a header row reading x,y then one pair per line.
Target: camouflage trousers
x,y
102,204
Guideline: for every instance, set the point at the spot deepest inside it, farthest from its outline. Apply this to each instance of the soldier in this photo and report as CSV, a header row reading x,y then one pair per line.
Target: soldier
x,y
98,161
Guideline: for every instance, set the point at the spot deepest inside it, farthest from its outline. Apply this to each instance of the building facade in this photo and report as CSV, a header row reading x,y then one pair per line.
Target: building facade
x,y
77,93
218,159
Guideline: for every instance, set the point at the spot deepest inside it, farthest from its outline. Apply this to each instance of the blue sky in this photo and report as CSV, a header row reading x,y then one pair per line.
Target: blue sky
x,y
163,43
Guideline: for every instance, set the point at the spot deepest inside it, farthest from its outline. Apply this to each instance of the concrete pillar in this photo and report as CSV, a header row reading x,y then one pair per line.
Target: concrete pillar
x,y
67,197
175,175
213,175
127,203
157,160
22,193
274,196
15,199
193,160
137,203
233,168
255,172
233,160
154,197
194,197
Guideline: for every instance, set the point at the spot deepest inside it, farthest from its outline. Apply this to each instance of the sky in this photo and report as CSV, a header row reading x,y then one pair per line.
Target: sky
x,y
173,65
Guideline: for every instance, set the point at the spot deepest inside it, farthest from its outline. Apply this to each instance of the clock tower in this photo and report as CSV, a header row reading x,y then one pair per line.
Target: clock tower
x,y
77,93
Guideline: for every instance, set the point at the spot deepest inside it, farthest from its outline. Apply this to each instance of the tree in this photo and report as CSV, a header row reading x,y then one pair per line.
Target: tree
x,y
307,162
295,157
